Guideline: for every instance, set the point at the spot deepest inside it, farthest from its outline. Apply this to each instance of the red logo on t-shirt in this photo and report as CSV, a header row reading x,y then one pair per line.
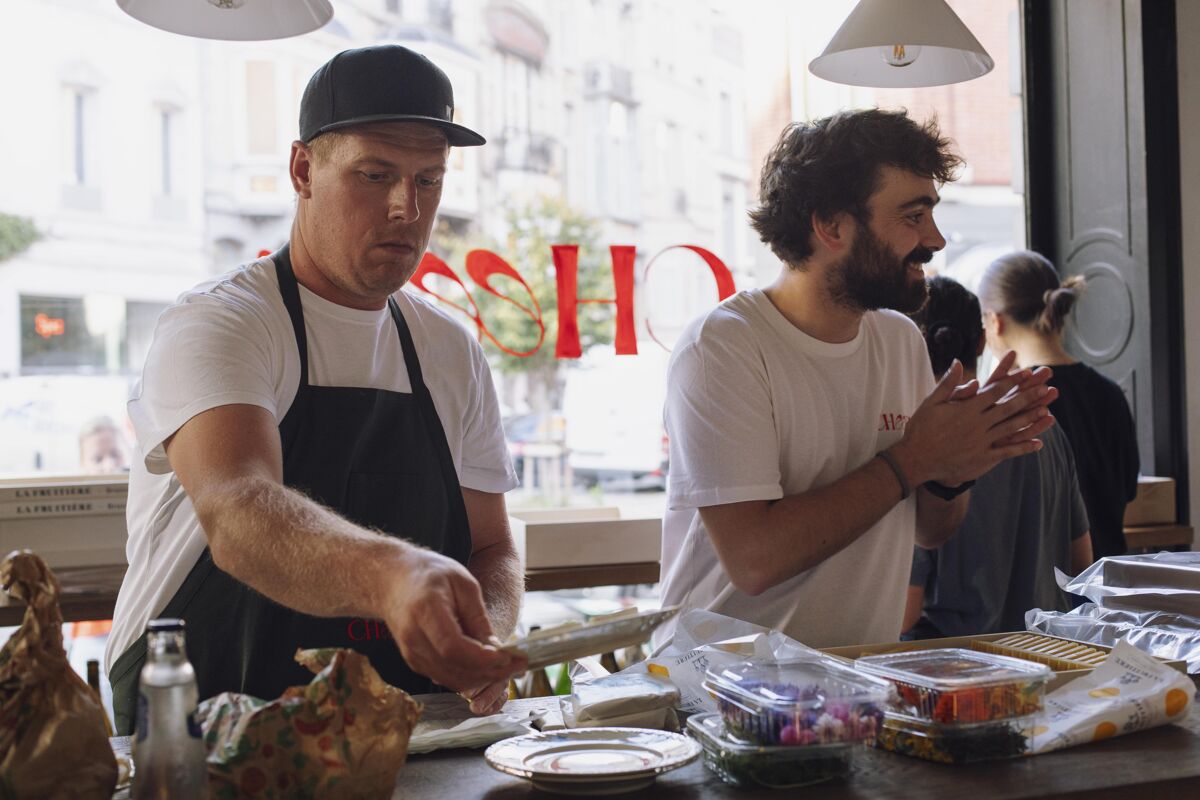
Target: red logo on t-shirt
x,y
892,422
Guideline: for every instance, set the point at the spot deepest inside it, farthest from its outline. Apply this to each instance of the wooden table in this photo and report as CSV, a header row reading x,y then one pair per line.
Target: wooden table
x,y
91,592
1162,764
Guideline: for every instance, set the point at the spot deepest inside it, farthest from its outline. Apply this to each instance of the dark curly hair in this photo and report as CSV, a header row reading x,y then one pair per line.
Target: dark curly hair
x,y
951,323
1026,286
833,165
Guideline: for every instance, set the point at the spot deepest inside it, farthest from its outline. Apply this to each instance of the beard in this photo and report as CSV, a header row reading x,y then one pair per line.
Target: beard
x,y
871,277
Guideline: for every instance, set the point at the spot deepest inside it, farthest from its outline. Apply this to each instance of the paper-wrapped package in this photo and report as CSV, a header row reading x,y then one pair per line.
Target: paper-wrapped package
x,y
53,730
345,734
1130,691
624,700
447,722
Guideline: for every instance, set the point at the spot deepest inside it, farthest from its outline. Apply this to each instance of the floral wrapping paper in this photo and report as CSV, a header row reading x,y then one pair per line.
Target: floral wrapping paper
x,y
53,729
345,734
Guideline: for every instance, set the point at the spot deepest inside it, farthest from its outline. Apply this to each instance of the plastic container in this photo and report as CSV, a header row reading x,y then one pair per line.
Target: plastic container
x,y
961,686
783,767
956,743
797,703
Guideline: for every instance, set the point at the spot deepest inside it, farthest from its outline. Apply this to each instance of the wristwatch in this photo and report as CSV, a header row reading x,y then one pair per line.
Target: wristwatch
x,y
946,492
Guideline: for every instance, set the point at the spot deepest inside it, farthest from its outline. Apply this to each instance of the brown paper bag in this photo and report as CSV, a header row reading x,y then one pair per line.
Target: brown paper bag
x,y
53,729
345,734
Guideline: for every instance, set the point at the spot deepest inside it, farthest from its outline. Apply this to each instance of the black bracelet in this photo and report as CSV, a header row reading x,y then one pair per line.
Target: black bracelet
x,y
946,492
890,460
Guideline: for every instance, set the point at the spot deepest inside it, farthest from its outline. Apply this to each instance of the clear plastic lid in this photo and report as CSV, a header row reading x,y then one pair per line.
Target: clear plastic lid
x,y
948,670
793,686
709,729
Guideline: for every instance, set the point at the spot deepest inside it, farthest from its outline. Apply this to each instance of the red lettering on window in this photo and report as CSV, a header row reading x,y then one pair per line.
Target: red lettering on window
x,y
724,278
566,270
432,265
482,266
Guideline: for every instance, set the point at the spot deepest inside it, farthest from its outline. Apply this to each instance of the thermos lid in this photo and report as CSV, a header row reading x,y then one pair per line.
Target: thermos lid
x,y
163,625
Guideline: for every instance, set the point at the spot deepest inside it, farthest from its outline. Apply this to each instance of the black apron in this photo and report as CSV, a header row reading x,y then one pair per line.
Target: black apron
x,y
377,457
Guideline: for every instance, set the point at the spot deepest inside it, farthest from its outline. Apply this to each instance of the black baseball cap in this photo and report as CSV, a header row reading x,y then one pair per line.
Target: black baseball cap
x,y
385,83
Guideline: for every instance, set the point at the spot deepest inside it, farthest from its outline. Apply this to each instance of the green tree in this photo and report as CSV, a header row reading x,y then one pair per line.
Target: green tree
x,y
16,234
531,230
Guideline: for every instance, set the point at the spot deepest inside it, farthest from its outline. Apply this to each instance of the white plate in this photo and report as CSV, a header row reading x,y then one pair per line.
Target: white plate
x,y
554,646
592,760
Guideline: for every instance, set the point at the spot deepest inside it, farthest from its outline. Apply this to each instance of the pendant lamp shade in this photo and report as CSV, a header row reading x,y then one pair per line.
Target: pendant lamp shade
x,y
889,44
240,20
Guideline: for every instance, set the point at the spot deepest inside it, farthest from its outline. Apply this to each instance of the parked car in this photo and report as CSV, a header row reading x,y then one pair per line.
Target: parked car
x,y
613,409
533,428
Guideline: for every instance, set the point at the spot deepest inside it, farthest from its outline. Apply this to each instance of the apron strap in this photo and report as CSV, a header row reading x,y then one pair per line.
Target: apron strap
x,y
437,431
290,290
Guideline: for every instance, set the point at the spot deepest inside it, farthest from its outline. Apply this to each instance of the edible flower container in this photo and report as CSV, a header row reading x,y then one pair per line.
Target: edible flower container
x,y
782,767
956,686
798,703
955,743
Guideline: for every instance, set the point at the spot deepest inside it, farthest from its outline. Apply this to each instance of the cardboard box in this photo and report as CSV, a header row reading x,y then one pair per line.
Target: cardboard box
x,y
583,537
1154,504
70,521
1061,676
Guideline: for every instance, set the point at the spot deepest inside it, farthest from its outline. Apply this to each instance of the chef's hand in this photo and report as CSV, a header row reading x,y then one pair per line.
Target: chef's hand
x,y
434,610
487,700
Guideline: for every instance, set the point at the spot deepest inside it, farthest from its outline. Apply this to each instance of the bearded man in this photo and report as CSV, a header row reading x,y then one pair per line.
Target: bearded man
x,y
810,448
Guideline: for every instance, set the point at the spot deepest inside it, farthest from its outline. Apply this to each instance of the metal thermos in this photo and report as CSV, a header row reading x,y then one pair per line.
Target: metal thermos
x,y
168,751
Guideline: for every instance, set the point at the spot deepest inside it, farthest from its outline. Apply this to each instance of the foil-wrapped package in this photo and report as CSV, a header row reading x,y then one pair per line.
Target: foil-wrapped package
x,y
345,734
53,729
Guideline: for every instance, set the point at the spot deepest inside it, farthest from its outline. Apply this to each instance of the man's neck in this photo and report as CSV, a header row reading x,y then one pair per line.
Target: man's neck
x,y
802,297
312,277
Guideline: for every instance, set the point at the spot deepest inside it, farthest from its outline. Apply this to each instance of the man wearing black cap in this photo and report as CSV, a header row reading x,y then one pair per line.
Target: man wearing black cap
x,y
321,461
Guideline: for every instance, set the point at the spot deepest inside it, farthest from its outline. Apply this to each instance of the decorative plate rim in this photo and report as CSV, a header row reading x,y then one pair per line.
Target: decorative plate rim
x,y
693,751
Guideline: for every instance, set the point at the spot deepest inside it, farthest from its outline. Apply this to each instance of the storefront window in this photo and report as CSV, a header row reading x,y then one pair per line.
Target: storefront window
x,y
610,123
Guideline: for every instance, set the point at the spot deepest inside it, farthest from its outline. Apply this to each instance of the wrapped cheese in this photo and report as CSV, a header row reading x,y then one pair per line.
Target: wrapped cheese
x,y
345,734
624,700
53,729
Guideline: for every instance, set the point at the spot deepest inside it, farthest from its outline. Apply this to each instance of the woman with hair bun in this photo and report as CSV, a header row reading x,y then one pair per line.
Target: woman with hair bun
x,y
1025,307
1024,518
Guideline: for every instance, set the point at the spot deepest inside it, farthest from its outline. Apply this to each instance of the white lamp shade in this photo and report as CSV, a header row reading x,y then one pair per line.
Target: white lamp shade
x,y
933,40
242,20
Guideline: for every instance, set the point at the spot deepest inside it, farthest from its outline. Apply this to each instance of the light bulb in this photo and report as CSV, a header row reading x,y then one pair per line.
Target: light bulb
x,y
900,55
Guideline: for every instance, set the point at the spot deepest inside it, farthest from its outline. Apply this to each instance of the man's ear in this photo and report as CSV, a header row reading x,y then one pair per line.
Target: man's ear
x,y
300,167
834,232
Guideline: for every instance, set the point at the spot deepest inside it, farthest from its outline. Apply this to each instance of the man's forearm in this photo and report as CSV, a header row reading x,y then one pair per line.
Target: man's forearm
x,y
498,570
762,544
938,519
299,553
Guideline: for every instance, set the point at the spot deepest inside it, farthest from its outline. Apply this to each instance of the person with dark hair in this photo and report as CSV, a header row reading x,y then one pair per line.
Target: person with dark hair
x,y
1025,517
809,445
320,456
1025,307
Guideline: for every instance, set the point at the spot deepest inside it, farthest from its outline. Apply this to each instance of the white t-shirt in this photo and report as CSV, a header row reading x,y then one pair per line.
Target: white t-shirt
x,y
756,410
231,341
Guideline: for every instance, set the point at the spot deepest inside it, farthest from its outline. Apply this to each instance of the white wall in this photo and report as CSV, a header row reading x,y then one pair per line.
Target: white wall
x,y
1188,23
